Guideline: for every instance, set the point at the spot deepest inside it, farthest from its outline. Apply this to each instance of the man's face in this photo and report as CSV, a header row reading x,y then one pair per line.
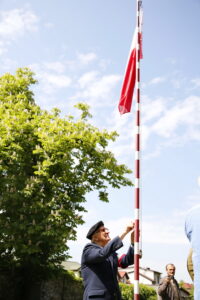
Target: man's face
x,y
171,270
102,236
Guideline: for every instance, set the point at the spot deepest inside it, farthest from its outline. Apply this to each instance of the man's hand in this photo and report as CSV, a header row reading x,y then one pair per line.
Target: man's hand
x,y
128,228
168,279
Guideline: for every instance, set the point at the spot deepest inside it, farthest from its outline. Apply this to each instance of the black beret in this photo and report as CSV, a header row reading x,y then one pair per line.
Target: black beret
x,y
93,229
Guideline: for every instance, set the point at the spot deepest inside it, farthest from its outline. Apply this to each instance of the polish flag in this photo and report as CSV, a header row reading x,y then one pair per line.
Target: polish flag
x,y
125,101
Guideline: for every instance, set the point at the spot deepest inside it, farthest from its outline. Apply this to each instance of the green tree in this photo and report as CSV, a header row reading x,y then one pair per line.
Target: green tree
x,y
48,164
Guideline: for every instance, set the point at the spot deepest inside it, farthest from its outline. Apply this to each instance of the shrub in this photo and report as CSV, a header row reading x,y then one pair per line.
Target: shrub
x,y
146,293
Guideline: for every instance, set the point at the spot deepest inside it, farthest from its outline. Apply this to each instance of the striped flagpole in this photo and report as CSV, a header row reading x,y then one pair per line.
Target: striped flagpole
x,y
137,160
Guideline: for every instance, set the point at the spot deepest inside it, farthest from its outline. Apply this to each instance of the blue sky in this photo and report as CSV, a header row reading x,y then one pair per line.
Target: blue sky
x,y
78,50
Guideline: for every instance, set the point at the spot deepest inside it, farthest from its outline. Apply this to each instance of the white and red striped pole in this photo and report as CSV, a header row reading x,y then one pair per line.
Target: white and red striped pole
x,y
137,159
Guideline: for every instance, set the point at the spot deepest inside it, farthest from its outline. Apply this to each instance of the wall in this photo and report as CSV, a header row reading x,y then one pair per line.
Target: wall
x,y
62,289
66,287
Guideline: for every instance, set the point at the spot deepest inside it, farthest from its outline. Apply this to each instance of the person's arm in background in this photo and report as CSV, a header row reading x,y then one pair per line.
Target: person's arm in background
x,y
163,286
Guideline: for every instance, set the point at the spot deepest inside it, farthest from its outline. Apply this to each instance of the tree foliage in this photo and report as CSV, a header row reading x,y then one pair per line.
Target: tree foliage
x,y
48,164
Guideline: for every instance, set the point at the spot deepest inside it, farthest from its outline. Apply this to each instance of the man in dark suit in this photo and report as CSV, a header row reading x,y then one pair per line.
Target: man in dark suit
x,y
100,262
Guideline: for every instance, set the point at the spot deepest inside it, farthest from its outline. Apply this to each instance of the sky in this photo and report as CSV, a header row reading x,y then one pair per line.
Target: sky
x,y
78,51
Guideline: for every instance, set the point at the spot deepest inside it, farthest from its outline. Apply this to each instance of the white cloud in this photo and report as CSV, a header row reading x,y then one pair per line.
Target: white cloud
x,y
198,181
95,88
157,80
179,115
177,83
49,25
194,207
103,63
145,135
14,24
3,47
193,199
56,66
124,144
125,126
76,65
58,81
17,22
172,233
92,86
196,82
103,86
172,61
50,81
8,64
86,58
152,109
167,118
87,79
153,231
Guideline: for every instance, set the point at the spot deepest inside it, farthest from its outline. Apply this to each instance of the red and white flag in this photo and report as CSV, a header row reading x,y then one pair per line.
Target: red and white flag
x,y
125,101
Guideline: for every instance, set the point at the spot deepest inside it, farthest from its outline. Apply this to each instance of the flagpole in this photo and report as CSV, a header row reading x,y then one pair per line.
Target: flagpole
x,y
137,160
132,78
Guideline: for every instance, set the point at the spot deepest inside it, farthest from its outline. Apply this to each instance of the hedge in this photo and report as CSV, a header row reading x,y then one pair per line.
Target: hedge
x,y
146,292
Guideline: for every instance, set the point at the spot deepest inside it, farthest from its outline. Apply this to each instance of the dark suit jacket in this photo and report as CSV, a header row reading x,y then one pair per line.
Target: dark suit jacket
x,y
99,270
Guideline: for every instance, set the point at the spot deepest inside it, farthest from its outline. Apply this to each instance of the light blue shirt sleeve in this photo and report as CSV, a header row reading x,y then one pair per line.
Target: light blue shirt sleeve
x,y
192,230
